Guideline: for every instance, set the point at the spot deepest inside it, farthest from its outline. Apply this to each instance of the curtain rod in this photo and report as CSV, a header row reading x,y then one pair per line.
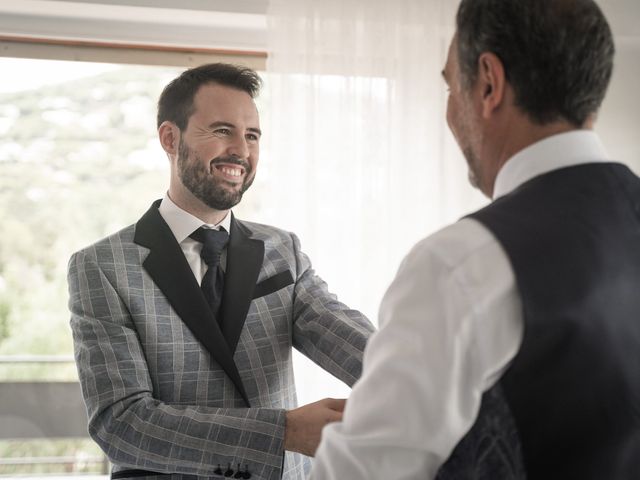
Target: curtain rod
x,y
132,46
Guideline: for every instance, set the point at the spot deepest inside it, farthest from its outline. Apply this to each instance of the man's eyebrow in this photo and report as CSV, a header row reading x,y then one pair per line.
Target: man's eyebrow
x,y
444,75
221,124
255,130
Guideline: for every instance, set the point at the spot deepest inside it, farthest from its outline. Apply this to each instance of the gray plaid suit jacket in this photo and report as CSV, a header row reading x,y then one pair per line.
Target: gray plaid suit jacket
x,y
171,390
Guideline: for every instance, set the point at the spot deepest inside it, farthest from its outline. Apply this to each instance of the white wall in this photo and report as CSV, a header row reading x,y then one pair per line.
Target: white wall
x,y
238,25
619,120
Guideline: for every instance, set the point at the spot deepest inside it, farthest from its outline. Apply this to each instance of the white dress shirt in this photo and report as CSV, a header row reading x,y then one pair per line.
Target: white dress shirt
x,y
450,324
183,224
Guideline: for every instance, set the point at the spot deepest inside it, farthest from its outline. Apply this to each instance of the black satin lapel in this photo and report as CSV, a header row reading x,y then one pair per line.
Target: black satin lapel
x,y
244,261
170,271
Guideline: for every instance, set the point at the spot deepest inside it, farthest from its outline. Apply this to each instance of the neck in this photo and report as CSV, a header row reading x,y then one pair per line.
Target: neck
x,y
519,134
189,203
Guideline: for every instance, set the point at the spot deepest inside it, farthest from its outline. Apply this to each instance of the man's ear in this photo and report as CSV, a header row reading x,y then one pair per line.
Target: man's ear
x,y
169,135
491,80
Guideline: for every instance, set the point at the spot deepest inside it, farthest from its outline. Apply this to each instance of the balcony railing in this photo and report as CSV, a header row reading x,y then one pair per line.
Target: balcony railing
x,y
43,410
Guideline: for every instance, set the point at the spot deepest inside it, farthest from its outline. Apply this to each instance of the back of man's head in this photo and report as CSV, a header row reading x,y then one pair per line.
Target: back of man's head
x,y
557,54
176,101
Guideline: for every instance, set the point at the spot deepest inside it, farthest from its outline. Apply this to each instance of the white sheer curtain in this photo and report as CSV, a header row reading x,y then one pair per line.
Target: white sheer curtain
x,y
357,142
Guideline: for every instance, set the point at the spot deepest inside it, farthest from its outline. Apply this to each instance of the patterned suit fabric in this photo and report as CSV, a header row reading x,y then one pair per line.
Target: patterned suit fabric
x,y
491,450
166,390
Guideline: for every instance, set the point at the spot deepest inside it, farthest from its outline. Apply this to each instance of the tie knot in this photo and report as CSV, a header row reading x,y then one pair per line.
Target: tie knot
x,y
213,241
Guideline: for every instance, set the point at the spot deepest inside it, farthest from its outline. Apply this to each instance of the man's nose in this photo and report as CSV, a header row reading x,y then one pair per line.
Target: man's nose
x,y
239,147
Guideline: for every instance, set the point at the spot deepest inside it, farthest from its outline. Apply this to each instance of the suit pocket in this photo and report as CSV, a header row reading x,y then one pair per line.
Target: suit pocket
x,y
272,284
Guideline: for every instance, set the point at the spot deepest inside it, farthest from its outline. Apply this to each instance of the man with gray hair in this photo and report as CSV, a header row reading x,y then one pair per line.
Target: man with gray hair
x,y
509,342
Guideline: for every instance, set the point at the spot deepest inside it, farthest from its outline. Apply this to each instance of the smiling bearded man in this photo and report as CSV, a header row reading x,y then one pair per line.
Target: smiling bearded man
x,y
183,323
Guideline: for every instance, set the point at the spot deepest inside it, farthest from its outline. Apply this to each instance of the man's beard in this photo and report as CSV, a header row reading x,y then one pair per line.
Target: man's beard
x,y
472,174
465,139
197,178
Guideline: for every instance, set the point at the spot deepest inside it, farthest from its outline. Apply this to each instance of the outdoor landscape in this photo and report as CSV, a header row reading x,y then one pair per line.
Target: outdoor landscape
x,y
78,160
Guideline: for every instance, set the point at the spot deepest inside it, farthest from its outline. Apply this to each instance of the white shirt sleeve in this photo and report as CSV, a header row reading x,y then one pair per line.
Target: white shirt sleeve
x,y
451,323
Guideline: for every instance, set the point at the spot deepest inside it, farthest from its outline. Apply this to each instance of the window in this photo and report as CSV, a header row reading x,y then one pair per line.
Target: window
x,y
79,160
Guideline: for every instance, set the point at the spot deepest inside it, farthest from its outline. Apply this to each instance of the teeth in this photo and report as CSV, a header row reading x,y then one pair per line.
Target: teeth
x,y
234,172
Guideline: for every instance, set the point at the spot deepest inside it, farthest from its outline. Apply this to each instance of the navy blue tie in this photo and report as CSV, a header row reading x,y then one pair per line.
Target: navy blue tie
x,y
213,242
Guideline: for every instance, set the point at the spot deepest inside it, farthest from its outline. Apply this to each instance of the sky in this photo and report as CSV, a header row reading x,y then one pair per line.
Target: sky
x,y
26,74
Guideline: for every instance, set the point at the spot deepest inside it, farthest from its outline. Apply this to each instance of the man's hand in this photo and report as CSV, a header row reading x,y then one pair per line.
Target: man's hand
x,y
304,425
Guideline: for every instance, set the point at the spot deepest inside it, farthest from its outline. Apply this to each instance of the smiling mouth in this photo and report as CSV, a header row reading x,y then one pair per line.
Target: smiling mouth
x,y
230,172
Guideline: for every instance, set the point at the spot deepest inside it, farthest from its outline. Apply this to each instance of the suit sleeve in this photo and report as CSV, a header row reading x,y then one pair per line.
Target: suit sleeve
x,y
135,429
324,329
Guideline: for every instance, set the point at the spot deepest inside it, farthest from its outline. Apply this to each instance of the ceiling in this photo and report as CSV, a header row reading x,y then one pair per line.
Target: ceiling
x,y
238,25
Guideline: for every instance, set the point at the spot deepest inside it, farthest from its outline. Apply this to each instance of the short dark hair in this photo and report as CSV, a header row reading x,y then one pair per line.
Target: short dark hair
x,y
176,101
557,54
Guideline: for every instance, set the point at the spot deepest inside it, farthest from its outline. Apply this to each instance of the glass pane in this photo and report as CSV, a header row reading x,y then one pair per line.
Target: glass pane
x,y
79,160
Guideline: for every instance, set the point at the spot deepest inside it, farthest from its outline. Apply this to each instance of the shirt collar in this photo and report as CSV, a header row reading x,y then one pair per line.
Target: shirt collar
x,y
558,151
182,223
